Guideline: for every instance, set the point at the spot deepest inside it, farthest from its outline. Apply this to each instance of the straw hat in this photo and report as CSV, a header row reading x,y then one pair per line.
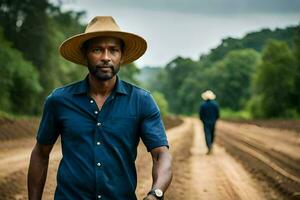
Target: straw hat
x,y
208,95
134,45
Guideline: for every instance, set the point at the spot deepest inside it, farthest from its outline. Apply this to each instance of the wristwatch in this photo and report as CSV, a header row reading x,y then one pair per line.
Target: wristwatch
x,y
158,193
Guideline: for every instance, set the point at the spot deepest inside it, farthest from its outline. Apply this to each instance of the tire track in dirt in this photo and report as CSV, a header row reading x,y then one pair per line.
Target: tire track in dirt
x,y
284,141
273,161
218,176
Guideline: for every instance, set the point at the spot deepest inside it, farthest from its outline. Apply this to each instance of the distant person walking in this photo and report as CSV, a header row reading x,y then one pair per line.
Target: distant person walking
x,y
209,113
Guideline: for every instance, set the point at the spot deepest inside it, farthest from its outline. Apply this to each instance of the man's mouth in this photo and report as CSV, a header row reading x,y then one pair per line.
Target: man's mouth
x,y
104,68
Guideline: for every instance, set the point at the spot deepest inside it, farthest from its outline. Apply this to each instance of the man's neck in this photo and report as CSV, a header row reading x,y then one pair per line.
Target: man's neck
x,y
102,88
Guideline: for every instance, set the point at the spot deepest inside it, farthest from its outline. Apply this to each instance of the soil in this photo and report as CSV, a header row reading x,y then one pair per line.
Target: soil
x,y
293,125
248,161
270,155
172,121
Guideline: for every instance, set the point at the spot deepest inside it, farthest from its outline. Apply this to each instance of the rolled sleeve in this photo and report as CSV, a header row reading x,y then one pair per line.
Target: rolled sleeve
x,y
152,129
48,130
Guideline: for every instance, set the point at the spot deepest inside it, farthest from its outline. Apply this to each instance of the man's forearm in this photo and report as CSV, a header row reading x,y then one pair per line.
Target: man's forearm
x,y
37,174
162,170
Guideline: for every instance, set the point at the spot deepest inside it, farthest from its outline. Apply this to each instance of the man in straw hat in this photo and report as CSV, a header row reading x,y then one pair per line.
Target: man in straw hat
x,y
209,113
100,120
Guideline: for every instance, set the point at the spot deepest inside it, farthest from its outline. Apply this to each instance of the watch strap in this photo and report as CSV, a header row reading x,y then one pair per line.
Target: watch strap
x,y
152,192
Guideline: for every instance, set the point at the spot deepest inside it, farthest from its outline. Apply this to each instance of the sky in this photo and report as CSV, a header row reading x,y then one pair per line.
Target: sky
x,y
188,28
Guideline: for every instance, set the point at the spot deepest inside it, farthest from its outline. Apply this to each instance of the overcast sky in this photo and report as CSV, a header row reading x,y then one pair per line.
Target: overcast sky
x,y
189,28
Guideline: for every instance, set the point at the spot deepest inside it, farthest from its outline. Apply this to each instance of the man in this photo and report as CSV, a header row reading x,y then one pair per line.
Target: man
x,y
209,113
100,121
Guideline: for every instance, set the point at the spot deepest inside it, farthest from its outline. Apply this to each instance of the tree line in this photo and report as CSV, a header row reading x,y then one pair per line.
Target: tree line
x,y
30,34
259,73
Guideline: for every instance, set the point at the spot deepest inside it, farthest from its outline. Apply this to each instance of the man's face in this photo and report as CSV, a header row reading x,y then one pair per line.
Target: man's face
x,y
104,56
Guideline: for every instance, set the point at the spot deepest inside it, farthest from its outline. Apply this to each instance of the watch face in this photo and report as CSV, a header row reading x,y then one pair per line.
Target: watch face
x,y
158,192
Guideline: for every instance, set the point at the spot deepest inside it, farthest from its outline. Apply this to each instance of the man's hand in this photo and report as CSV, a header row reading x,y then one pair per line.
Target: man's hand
x,y
150,197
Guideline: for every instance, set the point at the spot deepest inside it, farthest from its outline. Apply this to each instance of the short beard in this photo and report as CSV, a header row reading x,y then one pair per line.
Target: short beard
x,y
96,72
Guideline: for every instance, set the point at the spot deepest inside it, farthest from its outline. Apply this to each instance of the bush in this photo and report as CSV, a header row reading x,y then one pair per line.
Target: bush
x,y
227,113
18,80
274,82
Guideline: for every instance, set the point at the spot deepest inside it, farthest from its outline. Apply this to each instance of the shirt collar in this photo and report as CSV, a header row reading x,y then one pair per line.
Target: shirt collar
x,y
83,87
120,87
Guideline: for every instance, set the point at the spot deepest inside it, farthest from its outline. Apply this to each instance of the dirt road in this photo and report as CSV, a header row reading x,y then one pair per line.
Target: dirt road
x,y
243,160
271,155
217,176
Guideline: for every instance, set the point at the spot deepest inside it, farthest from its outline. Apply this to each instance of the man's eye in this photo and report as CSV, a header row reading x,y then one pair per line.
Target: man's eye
x,y
114,50
96,50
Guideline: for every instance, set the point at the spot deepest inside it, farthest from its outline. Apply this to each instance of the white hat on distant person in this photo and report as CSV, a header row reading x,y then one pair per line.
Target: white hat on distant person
x,y
208,95
134,45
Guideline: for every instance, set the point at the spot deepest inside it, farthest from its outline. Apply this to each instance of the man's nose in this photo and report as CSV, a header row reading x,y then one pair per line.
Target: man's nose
x,y
105,57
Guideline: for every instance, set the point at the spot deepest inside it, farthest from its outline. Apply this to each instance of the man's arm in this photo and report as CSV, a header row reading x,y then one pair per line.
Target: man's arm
x,y
37,171
217,111
201,112
162,170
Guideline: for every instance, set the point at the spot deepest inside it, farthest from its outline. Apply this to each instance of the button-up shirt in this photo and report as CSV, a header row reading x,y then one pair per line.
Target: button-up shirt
x,y
99,146
209,111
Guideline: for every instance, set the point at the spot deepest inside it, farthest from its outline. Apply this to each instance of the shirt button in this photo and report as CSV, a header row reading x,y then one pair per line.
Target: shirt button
x,y
98,124
98,164
96,112
98,143
91,101
99,196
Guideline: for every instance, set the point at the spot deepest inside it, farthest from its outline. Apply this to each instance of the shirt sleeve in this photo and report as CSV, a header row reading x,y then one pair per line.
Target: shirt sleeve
x,y
49,129
152,129
201,112
218,111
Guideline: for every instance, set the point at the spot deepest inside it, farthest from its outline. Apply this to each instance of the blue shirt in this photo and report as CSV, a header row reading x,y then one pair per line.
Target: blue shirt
x,y
99,147
209,111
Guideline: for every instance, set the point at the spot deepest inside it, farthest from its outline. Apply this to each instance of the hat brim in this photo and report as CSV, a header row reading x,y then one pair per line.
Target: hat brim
x,y
206,96
134,46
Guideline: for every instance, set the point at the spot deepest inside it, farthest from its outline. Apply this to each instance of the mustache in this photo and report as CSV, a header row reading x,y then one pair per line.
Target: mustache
x,y
104,65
